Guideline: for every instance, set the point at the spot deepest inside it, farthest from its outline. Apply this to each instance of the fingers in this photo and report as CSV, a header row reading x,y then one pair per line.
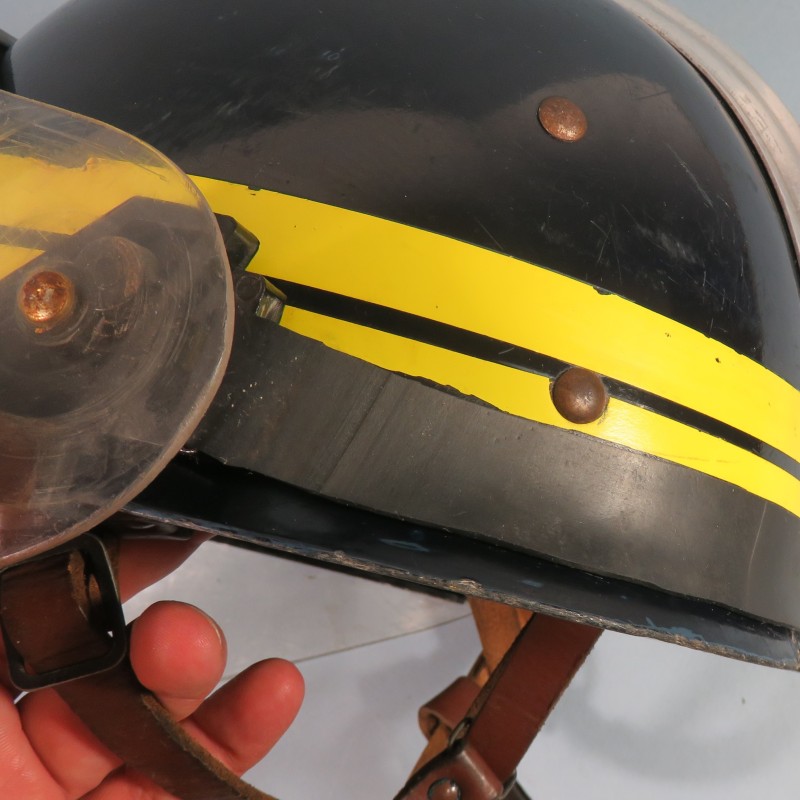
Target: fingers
x,y
142,562
21,772
185,665
242,721
176,651
63,748
238,725
127,785
179,654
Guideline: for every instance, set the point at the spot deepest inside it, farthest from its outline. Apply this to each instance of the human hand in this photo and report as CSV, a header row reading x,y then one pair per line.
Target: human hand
x,y
178,653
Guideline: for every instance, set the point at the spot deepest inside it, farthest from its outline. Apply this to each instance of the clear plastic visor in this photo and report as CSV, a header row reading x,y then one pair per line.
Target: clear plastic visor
x,y
115,320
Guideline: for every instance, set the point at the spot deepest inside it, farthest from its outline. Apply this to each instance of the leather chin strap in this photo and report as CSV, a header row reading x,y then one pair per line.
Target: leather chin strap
x,y
481,726
59,623
63,627
498,626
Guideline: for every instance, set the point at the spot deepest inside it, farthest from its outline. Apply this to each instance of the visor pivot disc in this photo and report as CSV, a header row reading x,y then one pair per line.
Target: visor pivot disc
x,y
116,312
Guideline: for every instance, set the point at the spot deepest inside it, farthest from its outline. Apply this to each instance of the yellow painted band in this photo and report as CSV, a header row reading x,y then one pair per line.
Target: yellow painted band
x,y
528,395
12,258
40,195
459,284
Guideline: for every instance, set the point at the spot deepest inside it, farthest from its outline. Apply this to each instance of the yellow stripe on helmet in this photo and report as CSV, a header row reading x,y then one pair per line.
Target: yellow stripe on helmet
x,y
460,284
54,198
12,258
528,395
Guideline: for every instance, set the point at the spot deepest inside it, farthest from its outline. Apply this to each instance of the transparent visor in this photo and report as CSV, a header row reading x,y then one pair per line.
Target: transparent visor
x,y
115,320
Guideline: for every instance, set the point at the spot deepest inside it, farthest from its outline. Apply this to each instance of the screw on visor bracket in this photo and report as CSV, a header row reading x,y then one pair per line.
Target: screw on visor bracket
x,y
61,617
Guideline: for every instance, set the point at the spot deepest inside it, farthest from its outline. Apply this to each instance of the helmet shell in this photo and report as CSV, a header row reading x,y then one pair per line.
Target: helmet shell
x,y
427,117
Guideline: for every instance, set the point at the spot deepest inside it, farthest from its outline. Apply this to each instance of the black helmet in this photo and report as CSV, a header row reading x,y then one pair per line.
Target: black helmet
x,y
515,293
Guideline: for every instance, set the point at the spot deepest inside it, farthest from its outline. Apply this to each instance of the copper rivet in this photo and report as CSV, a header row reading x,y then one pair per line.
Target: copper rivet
x,y
579,395
47,298
444,789
562,119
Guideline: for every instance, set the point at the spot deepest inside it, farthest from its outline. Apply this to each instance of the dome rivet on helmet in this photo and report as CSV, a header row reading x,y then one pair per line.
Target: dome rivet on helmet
x,y
444,789
579,395
562,119
46,299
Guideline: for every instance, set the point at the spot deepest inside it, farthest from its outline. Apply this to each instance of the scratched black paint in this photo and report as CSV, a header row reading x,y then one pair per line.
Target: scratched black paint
x,y
272,514
346,429
425,112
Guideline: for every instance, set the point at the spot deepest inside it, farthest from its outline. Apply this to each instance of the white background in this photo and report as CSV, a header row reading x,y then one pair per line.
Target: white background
x,y
642,720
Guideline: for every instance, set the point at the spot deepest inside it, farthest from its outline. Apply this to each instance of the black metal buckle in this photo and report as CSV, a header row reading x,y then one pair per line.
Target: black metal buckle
x,y
105,616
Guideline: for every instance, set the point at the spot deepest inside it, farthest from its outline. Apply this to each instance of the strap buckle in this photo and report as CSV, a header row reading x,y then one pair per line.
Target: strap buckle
x,y
61,616
484,749
460,771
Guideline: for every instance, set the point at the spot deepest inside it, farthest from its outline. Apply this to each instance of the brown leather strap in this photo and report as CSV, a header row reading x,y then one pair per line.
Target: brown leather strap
x,y
440,716
498,626
438,739
50,613
449,707
135,726
522,691
507,714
